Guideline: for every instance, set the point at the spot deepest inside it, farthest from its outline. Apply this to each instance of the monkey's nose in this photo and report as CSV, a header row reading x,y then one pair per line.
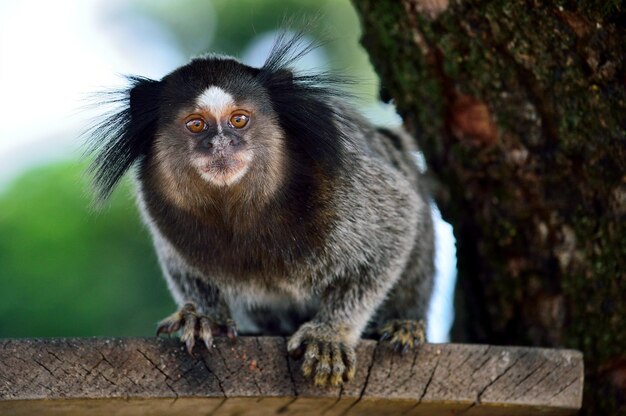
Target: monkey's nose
x,y
234,141
220,143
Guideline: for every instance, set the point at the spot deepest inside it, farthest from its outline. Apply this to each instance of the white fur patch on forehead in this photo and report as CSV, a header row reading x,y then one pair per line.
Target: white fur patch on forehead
x,y
215,100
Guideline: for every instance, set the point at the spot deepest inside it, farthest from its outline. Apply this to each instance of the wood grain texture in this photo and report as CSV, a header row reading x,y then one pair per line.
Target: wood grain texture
x,y
256,376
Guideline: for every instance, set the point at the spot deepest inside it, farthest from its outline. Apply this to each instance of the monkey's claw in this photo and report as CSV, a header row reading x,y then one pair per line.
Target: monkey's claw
x,y
195,325
328,360
403,335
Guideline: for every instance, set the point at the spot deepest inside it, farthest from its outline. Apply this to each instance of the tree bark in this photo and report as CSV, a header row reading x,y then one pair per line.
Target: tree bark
x,y
520,110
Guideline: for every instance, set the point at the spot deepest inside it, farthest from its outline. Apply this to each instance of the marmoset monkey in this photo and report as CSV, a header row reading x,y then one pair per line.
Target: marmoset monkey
x,y
274,207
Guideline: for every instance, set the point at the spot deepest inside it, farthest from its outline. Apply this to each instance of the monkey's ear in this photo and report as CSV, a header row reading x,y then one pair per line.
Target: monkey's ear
x,y
143,96
306,102
283,75
123,136
279,79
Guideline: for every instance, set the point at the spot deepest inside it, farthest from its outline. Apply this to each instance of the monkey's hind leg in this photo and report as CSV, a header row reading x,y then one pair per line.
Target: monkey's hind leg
x,y
403,334
195,325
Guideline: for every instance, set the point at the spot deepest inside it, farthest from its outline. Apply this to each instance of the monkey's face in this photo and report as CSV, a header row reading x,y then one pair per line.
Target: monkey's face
x,y
218,126
218,130
217,135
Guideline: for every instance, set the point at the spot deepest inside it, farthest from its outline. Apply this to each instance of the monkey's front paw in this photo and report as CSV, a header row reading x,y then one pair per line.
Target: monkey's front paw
x,y
195,325
328,358
403,335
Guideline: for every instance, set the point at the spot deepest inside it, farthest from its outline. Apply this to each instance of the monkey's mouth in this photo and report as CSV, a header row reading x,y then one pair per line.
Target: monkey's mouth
x,y
223,169
223,165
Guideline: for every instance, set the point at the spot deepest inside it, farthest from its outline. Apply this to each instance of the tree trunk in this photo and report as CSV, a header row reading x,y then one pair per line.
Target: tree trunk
x,y
520,110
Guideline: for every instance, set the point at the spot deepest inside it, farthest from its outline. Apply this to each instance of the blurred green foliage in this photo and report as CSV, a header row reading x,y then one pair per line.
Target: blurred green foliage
x,y
227,26
68,271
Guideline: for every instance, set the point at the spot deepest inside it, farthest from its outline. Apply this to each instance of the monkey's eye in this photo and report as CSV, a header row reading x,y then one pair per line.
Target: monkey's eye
x,y
196,125
239,119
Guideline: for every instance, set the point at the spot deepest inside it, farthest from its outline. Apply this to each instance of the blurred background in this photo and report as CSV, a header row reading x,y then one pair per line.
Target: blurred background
x,y
66,270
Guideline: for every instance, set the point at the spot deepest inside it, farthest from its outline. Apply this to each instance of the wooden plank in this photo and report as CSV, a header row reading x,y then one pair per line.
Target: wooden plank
x,y
156,376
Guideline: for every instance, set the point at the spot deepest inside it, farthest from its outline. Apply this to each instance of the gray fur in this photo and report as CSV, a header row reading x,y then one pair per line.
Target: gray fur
x,y
377,263
306,220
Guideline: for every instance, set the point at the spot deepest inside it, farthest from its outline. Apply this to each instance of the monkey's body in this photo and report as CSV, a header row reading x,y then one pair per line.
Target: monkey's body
x,y
273,203
368,227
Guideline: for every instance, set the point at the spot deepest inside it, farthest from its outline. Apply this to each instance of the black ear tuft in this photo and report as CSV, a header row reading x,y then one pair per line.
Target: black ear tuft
x,y
308,105
283,75
124,135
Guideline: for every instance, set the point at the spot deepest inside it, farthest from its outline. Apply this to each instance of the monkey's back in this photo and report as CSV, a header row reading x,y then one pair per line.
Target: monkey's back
x,y
410,296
